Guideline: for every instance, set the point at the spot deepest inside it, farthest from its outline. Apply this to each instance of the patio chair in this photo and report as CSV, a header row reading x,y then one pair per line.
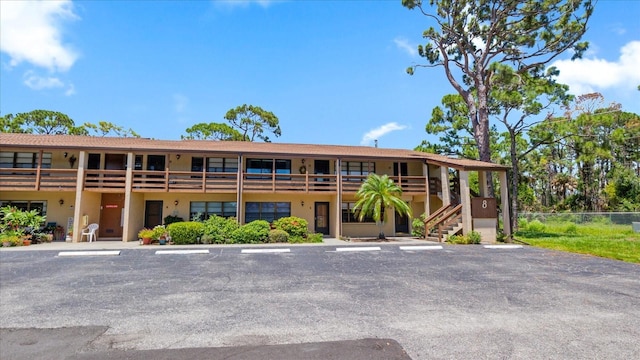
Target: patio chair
x,y
90,232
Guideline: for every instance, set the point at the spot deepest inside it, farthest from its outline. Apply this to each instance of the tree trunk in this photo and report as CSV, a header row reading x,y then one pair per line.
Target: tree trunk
x,y
515,176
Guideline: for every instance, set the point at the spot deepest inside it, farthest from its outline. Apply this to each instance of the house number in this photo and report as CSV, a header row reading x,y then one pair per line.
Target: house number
x,y
484,204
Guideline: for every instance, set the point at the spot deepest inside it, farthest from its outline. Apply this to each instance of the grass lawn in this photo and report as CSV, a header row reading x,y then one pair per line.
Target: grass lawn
x,y
599,239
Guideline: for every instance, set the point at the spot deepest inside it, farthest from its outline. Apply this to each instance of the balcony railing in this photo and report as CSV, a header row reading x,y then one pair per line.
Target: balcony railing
x,y
190,181
34,179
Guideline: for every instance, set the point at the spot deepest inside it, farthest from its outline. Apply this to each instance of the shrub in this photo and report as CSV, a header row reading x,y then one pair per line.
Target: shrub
x,y
254,232
218,230
417,226
314,238
278,236
293,225
523,223
536,227
472,238
186,232
170,219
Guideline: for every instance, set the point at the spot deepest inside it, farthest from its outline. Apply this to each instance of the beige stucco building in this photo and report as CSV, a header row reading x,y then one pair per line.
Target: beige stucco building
x,y
125,184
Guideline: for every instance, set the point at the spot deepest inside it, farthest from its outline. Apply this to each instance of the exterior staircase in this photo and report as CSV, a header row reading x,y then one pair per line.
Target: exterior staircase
x,y
444,222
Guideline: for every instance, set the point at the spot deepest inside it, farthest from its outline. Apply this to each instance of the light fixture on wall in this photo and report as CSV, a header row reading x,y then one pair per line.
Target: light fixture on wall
x,y
61,202
65,154
72,160
178,156
301,202
176,202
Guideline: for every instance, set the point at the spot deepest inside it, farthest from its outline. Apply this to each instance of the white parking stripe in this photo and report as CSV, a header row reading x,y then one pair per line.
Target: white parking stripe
x,y
89,253
264,251
421,247
503,246
359,248
181,252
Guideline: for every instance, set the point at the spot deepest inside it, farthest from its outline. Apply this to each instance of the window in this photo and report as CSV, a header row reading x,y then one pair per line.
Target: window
x,y
357,168
229,165
24,160
268,211
41,206
204,209
265,166
348,216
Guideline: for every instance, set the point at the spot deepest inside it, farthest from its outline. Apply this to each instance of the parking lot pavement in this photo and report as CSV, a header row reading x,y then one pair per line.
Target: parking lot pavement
x,y
462,302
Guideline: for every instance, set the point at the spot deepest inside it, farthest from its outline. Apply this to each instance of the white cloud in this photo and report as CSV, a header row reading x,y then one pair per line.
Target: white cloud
x,y
592,74
31,32
403,44
377,133
71,90
180,102
38,82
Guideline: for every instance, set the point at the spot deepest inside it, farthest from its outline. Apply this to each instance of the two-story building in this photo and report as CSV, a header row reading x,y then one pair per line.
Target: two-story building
x,y
125,184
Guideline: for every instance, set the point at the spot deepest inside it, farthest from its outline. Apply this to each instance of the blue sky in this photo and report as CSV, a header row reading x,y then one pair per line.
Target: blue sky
x,y
332,71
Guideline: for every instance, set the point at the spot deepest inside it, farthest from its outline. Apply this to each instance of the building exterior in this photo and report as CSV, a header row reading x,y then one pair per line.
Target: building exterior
x,y
125,184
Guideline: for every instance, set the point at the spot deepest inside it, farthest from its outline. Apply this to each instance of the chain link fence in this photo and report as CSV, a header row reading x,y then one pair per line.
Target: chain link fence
x,y
621,218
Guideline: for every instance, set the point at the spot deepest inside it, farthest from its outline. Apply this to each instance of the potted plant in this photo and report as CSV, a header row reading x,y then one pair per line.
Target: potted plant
x,y
146,235
10,238
20,223
160,234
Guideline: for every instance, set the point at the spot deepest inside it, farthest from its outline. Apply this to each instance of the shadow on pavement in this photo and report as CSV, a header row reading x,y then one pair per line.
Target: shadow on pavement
x,y
75,343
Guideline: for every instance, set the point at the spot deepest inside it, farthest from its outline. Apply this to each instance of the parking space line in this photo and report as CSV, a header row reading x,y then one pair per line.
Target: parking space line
x,y
359,248
89,253
421,247
264,251
507,246
181,252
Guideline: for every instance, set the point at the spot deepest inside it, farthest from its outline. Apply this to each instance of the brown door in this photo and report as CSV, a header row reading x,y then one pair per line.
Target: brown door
x,y
111,215
322,218
152,213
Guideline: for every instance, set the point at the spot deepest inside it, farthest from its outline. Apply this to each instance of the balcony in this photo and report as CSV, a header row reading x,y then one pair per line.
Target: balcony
x,y
16,179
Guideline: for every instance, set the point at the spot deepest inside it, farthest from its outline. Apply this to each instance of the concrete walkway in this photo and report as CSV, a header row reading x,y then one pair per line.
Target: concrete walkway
x,y
120,245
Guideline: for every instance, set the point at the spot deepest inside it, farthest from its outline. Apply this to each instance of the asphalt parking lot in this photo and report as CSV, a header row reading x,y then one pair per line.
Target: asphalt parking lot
x,y
462,302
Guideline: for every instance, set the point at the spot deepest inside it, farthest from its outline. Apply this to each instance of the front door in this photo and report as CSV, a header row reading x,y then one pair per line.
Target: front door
x,y
152,213
111,216
402,223
322,218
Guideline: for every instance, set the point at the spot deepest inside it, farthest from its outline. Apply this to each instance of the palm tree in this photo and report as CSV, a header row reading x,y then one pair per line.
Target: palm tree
x,y
376,194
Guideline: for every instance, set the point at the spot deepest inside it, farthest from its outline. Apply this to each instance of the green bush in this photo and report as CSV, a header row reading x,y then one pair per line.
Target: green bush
x,y
472,238
523,223
218,230
186,232
170,219
278,236
417,226
254,232
536,227
293,225
314,238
